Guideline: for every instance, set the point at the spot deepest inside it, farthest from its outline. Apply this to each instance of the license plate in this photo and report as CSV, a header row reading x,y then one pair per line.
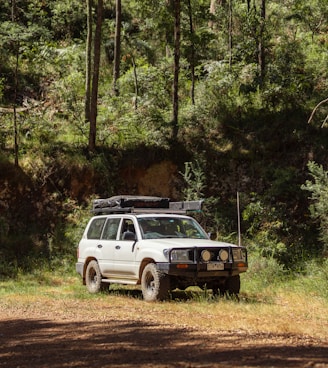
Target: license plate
x,y
215,266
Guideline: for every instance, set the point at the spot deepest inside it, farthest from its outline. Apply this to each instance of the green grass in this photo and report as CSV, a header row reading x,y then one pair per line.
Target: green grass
x,y
292,304
264,279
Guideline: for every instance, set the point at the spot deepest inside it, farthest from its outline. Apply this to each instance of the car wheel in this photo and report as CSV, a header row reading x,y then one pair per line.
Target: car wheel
x,y
93,277
233,285
155,285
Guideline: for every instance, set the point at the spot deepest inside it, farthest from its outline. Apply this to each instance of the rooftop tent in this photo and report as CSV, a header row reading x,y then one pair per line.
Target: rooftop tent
x,y
119,204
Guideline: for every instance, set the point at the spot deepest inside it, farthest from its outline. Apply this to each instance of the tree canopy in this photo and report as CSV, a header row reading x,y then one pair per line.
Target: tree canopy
x,y
226,86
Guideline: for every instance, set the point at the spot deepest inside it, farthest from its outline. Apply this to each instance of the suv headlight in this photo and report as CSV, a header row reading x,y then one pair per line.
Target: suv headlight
x,y
181,255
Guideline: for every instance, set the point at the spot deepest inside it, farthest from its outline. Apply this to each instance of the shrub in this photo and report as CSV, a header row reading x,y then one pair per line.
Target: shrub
x,y
319,199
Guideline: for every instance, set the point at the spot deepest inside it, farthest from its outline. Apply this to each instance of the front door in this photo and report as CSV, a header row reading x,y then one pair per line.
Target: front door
x,y
125,250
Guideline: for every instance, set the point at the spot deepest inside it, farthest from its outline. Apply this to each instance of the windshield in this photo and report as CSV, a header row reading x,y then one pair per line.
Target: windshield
x,y
170,227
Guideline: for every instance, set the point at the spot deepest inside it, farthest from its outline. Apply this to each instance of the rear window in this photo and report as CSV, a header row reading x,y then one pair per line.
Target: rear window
x,y
95,228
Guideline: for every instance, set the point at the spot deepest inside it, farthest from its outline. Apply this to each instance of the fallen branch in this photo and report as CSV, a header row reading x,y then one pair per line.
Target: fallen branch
x,y
315,109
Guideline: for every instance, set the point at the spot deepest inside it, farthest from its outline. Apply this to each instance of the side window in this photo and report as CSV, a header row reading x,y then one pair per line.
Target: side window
x,y
95,228
111,227
128,230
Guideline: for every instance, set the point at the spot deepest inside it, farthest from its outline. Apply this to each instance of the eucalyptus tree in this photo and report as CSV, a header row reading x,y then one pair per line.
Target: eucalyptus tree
x,y
117,45
92,81
158,25
88,62
177,33
261,42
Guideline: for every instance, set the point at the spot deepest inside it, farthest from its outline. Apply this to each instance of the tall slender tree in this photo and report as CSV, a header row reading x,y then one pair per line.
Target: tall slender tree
x,y
88,63
261,44
192,53
230,31
117,46
177,32
13,19
95,78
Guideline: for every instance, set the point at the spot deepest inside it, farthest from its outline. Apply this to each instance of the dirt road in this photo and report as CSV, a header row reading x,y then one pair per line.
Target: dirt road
x,y
51,333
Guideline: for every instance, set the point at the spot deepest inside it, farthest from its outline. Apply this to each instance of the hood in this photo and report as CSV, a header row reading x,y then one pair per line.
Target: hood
x,y
185,243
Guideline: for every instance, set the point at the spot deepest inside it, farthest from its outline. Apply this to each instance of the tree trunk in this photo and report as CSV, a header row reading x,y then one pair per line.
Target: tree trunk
x,y
13,18
261,45
95,79
214,4
117,47
136,87
14,109
230,33
192,54
175,121
248,5
88,63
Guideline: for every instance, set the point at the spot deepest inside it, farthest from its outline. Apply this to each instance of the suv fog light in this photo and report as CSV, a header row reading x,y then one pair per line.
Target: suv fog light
x,y
224,255
206,255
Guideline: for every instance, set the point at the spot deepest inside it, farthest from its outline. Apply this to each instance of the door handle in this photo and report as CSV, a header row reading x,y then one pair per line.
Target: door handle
x,y
99,246
118,247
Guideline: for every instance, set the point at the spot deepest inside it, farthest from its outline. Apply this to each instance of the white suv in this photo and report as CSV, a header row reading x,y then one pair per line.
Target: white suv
x,y
150,241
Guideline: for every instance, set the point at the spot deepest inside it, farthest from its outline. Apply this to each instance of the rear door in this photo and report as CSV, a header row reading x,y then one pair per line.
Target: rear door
x,y
107,245
89,245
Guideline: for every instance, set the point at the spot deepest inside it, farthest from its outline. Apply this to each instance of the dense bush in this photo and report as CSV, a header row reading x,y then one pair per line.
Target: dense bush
x,y
319,200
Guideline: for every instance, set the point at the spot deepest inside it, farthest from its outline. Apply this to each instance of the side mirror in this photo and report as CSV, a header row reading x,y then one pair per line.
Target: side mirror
x,y
211,236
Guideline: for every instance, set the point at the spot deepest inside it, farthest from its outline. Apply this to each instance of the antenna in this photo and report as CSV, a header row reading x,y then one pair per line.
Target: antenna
x,y
238,216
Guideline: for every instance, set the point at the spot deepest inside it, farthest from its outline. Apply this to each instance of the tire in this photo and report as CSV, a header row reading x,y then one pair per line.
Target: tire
x,y
155,285
233,285
93,277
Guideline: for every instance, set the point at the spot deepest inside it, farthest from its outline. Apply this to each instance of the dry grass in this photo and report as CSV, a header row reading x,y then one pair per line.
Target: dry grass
x,y
284,312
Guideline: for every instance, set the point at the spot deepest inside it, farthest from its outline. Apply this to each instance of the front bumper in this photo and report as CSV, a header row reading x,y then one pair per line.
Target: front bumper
x,y
199,270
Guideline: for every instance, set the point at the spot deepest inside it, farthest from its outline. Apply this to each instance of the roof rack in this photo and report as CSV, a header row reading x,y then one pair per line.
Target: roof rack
x,y
143,204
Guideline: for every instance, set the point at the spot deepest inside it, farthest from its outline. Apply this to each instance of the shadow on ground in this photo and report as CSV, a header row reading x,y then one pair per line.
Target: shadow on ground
x,y
189,294
43,343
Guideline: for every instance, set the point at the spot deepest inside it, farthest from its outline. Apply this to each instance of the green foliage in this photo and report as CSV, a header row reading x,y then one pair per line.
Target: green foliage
x,y
219,218
68,18
267,274
315,277
264,225
263,272
239,132
194,178
63,241
319,199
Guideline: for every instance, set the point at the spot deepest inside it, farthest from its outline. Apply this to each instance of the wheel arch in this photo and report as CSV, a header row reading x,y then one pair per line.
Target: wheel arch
x,y
143,264
87,261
